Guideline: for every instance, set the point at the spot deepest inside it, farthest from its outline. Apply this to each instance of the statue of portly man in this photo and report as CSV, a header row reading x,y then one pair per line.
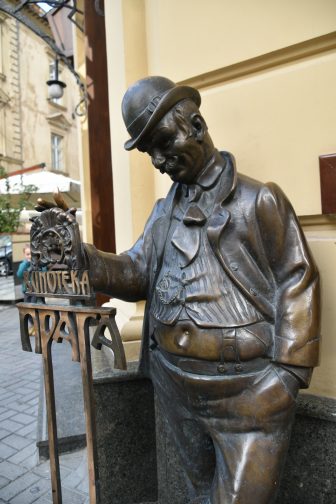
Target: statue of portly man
x,y
231,327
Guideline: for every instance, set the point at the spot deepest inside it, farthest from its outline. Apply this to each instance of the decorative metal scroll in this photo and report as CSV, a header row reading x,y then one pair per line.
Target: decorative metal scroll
x,y
58,271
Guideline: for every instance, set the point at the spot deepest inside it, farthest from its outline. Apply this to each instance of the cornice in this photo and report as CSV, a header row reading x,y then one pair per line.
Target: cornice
x,y
269,60
3,17
59,120
318,220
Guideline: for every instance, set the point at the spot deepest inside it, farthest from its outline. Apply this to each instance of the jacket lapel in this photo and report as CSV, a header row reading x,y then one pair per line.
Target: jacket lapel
x,y
221,216
161,226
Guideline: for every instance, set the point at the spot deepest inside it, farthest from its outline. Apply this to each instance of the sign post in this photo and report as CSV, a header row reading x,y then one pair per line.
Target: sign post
x,y
57,273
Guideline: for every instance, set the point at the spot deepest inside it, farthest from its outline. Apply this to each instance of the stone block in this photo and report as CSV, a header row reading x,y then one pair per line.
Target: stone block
x,y
125,434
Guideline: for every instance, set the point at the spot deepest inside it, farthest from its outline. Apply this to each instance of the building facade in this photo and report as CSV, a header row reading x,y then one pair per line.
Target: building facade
x,y
34,129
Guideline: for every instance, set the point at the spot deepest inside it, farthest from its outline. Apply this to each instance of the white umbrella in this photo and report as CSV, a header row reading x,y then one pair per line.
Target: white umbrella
x,y
45,183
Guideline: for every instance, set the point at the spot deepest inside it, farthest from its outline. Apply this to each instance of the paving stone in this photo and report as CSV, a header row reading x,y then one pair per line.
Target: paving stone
x,y
32,493
32,410
8,399
43,470
22,418
70,496
7,414
11,471
6,451
18,406
3,481
83,486
17,442
27,430
18,486
33,402
4,433
33,385
31,461
21,455
72,460
43,500
10,425
74,479
4,394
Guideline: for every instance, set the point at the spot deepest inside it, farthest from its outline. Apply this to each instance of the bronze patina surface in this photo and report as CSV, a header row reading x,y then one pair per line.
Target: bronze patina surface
x,y
231,329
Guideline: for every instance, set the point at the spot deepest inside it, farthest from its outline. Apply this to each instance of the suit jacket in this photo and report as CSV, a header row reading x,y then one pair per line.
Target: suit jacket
x,y
257,240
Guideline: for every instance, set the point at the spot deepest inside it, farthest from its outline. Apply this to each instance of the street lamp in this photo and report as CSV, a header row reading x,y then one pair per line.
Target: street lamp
x,y
55,86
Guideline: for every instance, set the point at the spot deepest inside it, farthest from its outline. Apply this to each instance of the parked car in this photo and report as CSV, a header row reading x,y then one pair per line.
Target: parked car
x,y
6,255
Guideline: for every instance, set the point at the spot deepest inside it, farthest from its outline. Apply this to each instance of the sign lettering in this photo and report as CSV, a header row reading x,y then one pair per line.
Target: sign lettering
x,y
66,283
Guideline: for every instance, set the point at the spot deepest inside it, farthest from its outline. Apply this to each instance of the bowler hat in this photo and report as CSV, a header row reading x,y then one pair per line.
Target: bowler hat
x,y
147,101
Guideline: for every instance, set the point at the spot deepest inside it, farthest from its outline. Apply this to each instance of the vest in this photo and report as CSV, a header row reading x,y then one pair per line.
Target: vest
x,y
196,287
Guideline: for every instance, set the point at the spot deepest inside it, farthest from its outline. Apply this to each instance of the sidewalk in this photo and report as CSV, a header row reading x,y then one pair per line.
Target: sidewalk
x,y
22,479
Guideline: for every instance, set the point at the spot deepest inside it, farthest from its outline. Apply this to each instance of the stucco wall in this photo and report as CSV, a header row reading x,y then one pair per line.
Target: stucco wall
x,y
266,72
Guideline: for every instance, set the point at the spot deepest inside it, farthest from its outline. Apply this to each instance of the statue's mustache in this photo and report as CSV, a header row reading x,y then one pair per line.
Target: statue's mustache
x,y
169,165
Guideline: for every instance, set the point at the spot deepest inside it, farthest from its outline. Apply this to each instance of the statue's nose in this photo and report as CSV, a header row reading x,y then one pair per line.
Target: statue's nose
x,y
158,160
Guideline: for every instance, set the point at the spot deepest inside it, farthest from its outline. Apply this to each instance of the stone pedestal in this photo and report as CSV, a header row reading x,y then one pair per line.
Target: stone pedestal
x,y
125,433
310,468
309,474
138,467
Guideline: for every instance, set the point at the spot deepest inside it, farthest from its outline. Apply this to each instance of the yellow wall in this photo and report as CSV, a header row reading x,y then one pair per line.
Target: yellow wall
x,y
266,72
190,37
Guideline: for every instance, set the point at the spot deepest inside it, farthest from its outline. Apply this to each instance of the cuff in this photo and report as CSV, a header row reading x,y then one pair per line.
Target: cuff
x,y
302,374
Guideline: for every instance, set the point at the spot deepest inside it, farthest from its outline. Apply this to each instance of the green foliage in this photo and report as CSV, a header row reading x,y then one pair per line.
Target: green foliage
x,y
11,205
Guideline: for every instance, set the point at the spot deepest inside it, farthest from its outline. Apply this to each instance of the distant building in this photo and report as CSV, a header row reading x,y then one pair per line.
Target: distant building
x,y
33,128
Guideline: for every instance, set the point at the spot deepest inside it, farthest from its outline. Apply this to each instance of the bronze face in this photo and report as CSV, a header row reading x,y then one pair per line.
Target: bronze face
x,y
176,144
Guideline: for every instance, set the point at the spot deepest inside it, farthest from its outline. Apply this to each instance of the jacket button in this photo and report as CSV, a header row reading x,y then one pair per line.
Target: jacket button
x,y
234,266
253,292
221,368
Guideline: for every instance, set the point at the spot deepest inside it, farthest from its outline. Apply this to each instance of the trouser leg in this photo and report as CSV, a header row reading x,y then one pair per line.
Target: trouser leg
x,y
248,419
251,432
193,445
248,466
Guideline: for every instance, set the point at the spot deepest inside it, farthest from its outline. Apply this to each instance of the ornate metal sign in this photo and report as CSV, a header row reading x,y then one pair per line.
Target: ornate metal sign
x,y
58,271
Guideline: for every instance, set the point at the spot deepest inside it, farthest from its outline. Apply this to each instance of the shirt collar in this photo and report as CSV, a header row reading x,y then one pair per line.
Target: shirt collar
x,y
211,172
207,178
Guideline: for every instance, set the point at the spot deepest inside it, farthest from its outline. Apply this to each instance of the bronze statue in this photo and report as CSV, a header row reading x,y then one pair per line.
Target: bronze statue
x,y
231,329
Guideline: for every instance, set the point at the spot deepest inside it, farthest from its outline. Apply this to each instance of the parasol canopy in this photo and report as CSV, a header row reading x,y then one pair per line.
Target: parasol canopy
x,y
46,183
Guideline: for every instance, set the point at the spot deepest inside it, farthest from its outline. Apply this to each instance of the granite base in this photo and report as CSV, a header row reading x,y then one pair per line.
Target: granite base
x,y
125,434
136,466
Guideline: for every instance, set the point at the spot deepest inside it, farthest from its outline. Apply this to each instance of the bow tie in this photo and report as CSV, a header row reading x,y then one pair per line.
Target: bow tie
x,y
194,216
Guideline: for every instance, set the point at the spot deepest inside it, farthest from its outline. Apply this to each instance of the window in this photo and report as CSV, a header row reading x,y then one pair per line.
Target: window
x,y
56,152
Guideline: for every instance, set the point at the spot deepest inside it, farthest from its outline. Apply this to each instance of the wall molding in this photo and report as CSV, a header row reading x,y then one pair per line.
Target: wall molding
x,y
317,220
295,52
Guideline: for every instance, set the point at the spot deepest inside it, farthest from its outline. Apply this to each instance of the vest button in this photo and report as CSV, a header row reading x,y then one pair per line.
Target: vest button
x,y
238,368
221,368
234,266
253,292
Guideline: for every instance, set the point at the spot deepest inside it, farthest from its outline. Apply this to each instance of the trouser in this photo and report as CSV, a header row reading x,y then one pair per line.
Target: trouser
x,y
232,432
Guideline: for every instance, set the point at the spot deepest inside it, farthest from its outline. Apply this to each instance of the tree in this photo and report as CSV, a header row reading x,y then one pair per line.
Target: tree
x,y
10,210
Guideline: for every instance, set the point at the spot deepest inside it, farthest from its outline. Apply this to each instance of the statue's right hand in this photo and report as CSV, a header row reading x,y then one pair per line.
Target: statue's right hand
x,y
43,204
55,235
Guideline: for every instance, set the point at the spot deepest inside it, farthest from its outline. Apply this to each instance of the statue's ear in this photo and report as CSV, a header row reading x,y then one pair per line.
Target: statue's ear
x,y
199,127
